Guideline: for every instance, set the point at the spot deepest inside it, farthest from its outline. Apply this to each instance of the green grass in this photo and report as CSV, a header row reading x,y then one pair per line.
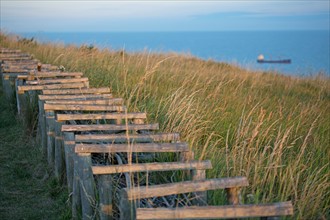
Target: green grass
x,y
27,189
272,128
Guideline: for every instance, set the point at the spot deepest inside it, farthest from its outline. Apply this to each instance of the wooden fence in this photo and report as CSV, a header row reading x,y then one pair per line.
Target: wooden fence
x,y
101,151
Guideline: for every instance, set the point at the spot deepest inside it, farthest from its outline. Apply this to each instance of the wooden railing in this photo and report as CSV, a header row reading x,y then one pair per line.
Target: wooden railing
x,y
78,125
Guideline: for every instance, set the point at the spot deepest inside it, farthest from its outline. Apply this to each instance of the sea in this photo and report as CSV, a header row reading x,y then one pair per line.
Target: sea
x,y
309,51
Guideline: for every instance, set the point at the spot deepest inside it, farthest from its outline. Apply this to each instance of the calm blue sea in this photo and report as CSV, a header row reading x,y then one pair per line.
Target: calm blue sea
x,y
308,50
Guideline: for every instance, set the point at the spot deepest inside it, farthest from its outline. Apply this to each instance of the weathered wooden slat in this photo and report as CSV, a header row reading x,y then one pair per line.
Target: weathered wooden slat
x,y
14,55
14,62
17,64
137,148
14,58
76,91
148,167
10,52
185,187
55,81
31,66
212,212
20,54
21,66
15,71
5,55
125,138
30,76
55,74
75,97
54,107
23,76
109,127
104,101
22,89
19,70
5,50
8,63
119,116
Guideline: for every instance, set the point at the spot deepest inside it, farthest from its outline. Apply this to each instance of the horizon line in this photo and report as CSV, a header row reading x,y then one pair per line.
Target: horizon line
x,y
160,31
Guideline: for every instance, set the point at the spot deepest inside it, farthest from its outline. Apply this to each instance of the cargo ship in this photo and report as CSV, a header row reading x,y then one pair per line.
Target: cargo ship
x,y
261,59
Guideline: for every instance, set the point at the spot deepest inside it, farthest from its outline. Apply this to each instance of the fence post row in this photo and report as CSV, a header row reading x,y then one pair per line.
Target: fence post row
x,y
76,122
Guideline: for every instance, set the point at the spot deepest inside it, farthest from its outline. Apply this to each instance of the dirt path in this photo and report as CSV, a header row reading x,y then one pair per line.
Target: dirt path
x,y
26,189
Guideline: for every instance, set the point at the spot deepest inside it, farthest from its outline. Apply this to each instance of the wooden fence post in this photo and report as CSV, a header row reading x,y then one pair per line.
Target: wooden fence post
x,y
201,197
69,157
20,99
42,127
50,121
86,186
13,88
59,160
105,196
33,97
18,82
233,196
270,218
2,78
7,90
76,196
127,210
32,109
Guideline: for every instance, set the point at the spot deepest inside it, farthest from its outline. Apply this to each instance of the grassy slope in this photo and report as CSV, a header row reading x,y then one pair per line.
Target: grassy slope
x,y
27,190
272,128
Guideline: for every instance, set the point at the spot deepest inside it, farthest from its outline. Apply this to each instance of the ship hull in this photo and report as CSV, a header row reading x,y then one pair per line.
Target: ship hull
x,y
286,61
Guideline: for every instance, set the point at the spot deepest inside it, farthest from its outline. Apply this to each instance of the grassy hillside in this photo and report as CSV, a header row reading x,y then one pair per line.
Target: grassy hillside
x,y
28,189
272,128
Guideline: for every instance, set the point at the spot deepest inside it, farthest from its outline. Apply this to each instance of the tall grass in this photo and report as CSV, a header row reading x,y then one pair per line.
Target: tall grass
x,y
272,128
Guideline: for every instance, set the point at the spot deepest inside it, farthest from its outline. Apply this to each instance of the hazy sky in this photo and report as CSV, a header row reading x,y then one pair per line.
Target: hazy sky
x,y
107,16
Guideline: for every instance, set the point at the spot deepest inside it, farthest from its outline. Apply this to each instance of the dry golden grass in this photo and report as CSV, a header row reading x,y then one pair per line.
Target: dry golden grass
x,y
272,128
